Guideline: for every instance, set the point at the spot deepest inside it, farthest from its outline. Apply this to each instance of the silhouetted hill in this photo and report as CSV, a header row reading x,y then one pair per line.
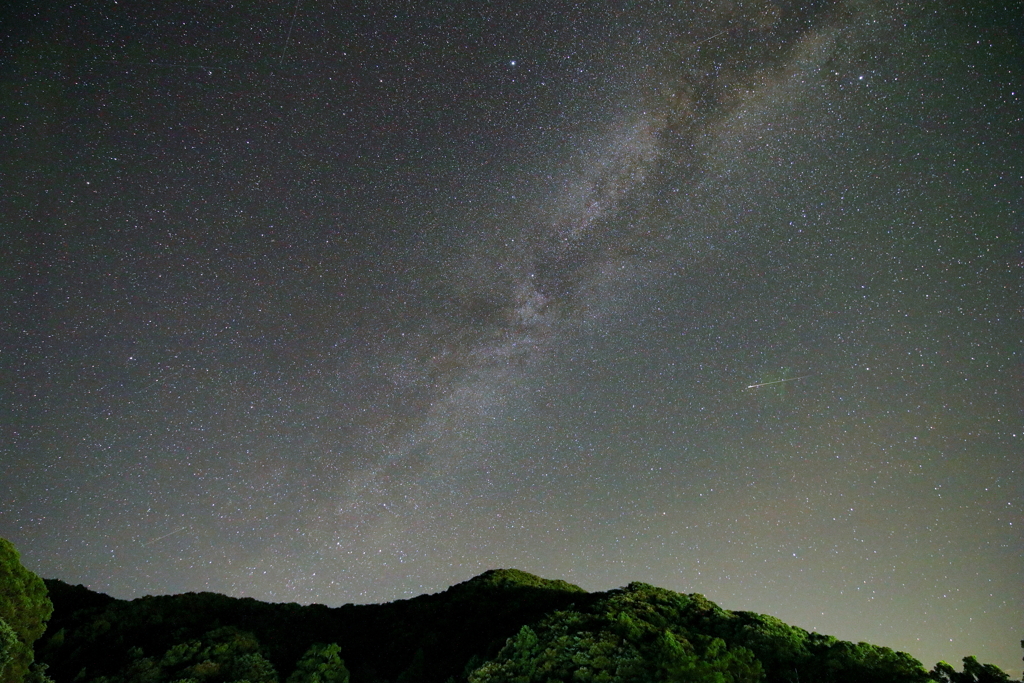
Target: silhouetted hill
x,y
379,642
502,626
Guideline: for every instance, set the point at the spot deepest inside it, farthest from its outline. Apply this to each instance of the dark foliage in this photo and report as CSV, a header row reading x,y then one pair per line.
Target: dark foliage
x,y
502,626
643,633
8,644
974,672
24,608
377,642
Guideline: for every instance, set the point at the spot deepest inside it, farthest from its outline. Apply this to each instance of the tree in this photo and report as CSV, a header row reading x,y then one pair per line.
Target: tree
x,y
974,672
634,635
8,641
225,654
24,606
320,664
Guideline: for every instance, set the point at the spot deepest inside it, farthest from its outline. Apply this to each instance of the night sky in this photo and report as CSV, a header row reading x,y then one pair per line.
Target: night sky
x,y
348,302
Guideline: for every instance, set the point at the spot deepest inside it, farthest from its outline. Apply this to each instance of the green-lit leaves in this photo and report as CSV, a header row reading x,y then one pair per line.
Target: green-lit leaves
x,y
974,672
633,635
25,607
321,664
223,655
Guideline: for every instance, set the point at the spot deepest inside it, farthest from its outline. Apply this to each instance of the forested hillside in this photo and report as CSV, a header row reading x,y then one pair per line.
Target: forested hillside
x,y
502,626
428,638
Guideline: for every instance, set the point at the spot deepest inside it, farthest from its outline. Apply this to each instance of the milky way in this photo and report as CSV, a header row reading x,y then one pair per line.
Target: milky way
x,y
326,307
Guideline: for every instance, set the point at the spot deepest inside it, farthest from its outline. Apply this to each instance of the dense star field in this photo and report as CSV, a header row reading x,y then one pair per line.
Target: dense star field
x,y
350,302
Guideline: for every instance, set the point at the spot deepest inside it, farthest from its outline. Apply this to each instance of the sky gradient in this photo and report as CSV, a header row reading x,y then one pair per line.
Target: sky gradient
x,y
322,305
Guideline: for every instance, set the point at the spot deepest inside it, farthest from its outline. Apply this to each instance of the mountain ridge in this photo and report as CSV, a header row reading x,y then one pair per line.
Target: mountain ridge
x,y
501,626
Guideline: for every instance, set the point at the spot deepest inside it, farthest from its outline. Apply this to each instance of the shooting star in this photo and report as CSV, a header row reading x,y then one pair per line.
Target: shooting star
x,y
704,40
295,13
778,381
165,536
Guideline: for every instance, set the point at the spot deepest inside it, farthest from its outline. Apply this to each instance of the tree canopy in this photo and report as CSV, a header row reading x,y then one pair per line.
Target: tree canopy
x,y
974,672
500,627
24,608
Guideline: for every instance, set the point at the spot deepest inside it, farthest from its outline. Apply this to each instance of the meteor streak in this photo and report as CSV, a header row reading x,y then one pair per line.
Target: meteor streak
x,y
704,40
778,381
166,535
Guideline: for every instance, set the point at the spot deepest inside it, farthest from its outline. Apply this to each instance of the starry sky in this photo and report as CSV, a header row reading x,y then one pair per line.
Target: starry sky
x,y
348,302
